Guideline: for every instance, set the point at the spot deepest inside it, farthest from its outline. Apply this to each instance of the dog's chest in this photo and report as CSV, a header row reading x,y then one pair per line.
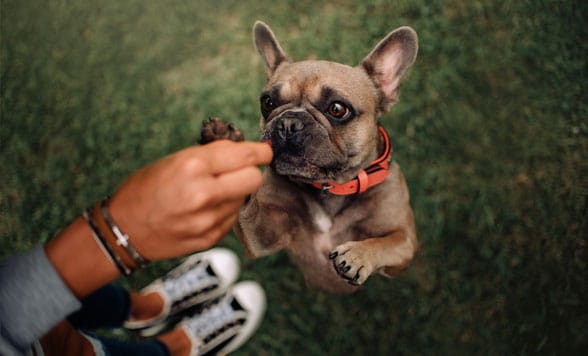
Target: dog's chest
x,y
322,241
324,230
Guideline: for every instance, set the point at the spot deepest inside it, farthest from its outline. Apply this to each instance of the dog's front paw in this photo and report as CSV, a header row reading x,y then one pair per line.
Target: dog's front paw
x,y
351,261
217,129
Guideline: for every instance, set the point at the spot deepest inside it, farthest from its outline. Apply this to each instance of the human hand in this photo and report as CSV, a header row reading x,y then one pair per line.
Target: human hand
x,y
188,201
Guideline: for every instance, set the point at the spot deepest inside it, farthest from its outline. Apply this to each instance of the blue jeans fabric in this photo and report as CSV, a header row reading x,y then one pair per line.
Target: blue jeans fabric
x,y
109,307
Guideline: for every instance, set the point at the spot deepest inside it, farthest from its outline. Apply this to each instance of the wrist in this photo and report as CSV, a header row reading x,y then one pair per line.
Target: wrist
x,y
115,242
79,260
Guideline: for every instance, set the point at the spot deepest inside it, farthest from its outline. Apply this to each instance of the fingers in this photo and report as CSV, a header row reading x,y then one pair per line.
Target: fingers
x,y
213,190
209,218
220,231
212,236
226,156
198,231
239,183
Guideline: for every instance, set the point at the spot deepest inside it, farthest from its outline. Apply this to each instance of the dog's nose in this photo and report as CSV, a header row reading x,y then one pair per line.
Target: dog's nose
x,y
288,127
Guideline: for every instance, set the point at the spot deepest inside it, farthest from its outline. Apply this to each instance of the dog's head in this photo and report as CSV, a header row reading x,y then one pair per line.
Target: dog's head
x,y
321,117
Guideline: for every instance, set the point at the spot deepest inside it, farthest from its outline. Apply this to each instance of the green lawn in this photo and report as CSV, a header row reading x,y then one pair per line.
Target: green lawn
x,y
491,131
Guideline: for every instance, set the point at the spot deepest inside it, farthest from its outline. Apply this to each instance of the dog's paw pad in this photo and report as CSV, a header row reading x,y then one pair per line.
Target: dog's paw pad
x,y
217,129
350,263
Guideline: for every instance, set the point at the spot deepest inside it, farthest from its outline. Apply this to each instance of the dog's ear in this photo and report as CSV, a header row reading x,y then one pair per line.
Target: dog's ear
x,y
389,61
268,47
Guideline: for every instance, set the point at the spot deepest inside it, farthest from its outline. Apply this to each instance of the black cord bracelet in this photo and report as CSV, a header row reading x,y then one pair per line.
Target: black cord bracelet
x,y
122,239
124,270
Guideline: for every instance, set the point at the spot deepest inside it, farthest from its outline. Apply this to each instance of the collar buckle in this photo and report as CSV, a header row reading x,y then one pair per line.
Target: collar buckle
x,y
325,187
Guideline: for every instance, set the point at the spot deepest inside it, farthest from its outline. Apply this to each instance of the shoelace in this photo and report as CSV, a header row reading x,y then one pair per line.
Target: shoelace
x,y
214,321
180,286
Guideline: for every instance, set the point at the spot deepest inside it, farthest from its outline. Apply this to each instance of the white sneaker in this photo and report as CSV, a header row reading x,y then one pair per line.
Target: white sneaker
x,y
224,326
201,277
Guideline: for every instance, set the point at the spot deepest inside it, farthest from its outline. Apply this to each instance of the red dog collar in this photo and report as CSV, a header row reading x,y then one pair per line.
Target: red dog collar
x,y
374,174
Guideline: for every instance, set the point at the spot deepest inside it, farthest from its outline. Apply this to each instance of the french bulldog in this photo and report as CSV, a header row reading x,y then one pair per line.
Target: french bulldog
x,y
332,196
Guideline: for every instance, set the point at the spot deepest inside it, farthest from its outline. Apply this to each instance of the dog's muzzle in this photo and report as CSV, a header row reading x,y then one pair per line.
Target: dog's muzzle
x,y
290,127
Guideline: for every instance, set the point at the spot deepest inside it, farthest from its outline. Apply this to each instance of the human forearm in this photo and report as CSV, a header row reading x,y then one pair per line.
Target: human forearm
x,y
79,259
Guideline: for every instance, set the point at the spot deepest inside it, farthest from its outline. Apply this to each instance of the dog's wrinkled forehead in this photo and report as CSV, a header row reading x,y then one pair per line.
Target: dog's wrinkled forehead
x,y
315,81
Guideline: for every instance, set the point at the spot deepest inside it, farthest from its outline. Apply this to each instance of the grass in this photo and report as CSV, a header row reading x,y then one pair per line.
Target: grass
x,y
491,131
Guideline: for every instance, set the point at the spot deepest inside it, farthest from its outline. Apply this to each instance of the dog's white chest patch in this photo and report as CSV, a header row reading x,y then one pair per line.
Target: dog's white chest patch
x,y
322,241
322,221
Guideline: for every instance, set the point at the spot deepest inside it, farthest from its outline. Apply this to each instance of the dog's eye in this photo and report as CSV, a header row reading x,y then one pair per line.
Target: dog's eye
x,y
267,104
338,110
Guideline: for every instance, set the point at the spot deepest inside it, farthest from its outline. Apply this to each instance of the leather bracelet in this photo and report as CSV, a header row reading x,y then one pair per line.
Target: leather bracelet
x,y
122,239
99,237
111,240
